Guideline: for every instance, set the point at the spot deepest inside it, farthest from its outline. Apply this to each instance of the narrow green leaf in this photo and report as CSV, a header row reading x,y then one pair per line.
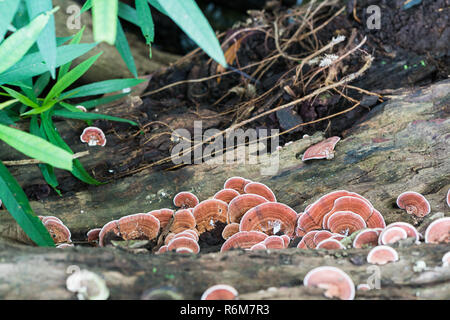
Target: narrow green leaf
x,y
21,41
124,49
104,19
87,5
7,11
145,20
25,100
40,84
69,78
90,116
32,64
75,40
104,100
188,16
53,136
47,38
16,202
102,87
128,13
36,147
5,104
5,119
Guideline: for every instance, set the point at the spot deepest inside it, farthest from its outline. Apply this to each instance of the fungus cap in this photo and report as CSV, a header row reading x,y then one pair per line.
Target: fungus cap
x,y
345,222
190,232
185,200
376,220
322,235
337,283
110,231
274,242
243,240
230,229
163,215
258,246
306,224
382,255
93,136
93,234
226,195
438,231
236,183
220,292
182,220
366,238
414,203
270,218
59,232
330,244
186,234
183,242
411,231
162,249
260,189
322,150
363,287
241,204
392,235
357,205
138,226
208,212
286,240
307,241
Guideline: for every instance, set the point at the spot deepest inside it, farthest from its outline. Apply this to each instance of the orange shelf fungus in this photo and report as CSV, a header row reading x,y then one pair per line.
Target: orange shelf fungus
x,y
186,234
226,195
322,235
321,150
93,234
243,240
138,226
345,222
330,244
207,213
162,249
260,189
185,200
258,246
182,220
286,240
271,218
357,205
229,230
337,283
382,255
307,241
241,204
183,242
317,210
110,231
306,224
366,238
236,183
392,235
414,203
274,242
59,232
190,232
163,215
438,231
376,220
93,136
411,231
220,292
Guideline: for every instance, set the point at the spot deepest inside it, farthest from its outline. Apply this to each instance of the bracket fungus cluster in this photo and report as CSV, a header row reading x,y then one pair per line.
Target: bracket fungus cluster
x,y
57,229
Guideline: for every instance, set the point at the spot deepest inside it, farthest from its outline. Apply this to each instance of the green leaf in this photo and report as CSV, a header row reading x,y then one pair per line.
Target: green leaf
x,y
32,65
7,11
75,40
90,116
36,147
188,16
5,104
128,13
102,87
100,101
5,119
104,19
53,136
16,202
25,100
124,49
47,38
87,5
69,78
40,84
21,41
145,20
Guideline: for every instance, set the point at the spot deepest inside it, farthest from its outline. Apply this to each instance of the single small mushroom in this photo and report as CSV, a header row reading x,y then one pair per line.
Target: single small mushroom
x,y
438,231
392,235
220,292
230,229
93,136
258,246
366,238
93,234
59,232
345,222
182,220
274,242
208,212
260,189
271,218
241,204
185,200
337,283
243,240
382,255
183,242
414,203
321,150
226,195
330,244
236,183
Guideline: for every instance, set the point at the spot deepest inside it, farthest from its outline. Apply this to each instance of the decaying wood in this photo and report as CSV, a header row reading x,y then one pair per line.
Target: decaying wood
x,y
401,145
39,273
